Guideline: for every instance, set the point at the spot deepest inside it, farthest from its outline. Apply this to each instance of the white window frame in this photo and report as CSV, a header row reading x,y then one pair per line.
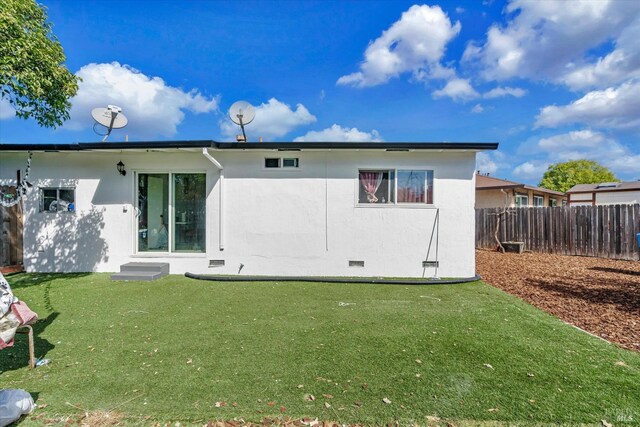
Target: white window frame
x,y
395,202
170,209
57,188
522,196
281,166
537,197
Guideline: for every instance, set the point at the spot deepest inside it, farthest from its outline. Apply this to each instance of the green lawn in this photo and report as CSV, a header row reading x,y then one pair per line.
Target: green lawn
x,y
172,348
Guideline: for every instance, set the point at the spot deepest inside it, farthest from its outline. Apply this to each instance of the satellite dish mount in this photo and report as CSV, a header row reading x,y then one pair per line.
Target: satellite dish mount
x,y
242,113
110,117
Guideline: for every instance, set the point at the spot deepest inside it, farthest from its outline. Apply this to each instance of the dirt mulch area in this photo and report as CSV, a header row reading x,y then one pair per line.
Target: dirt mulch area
x,y
599,295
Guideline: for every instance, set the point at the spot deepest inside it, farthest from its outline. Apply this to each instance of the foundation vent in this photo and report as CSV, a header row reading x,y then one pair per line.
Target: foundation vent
x,y
426,264
355,263
216,263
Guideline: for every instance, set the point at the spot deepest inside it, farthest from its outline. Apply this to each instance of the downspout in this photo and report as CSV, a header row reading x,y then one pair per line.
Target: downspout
x,y
205,153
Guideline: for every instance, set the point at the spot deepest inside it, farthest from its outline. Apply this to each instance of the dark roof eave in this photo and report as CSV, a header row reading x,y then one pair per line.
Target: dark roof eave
x,y
85,146
501,187
544,190
358,145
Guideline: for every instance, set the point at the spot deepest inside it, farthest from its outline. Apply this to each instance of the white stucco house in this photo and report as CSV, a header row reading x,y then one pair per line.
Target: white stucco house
x,y
288,209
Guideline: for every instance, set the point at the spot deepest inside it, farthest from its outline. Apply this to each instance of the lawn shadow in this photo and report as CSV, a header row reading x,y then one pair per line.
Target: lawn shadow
x,y
26,280
621,293
17,357
616,270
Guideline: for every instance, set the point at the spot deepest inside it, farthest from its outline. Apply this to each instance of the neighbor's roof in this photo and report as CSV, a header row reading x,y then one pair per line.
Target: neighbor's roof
x,y
605,186
484,182
387,146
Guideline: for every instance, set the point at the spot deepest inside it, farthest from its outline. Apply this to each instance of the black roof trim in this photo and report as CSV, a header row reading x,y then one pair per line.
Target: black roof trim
x,y
137,145
357,145
81,146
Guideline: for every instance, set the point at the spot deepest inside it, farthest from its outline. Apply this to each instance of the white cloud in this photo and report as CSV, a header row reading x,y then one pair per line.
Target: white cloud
x,y
460,9
273,119
572,140
617,108
415,43
485,164
152,107
581,144
6,110
549,40
530,170
477,109
457,89
337,133
617,66
591,145
504,91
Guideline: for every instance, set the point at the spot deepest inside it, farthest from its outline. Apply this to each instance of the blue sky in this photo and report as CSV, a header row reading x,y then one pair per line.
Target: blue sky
x,y
548,80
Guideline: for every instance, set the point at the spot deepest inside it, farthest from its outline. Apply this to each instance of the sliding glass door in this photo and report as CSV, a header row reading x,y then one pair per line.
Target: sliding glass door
x,y
171,212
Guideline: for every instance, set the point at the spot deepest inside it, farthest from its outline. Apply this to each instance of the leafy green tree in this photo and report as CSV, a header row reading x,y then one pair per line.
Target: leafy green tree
x,y
563,176
32,75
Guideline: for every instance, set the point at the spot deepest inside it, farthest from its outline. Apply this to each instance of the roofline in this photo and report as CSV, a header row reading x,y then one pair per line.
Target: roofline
x,y
131,145
528,187
501,187
544,190
603,190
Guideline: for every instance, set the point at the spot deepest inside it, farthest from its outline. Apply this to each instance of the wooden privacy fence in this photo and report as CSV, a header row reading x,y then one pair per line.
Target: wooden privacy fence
x,y
10,234
599,231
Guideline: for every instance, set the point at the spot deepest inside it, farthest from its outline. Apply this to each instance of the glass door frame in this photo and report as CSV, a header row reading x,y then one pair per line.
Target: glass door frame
x,y
170,212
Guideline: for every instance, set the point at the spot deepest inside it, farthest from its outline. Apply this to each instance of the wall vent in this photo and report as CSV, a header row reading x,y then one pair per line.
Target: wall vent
x,y
216,263
355,263
426,264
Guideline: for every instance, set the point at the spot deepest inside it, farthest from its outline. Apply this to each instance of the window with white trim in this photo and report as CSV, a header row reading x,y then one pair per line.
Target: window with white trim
x,y
57,199
538,201
553,202
281,162
395,186
522,200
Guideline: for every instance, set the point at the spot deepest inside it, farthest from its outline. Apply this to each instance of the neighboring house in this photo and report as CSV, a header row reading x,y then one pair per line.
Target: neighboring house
x,y
494,192
606,193
308,209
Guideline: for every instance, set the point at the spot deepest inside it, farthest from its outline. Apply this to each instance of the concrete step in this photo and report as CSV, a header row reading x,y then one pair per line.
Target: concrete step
x,y
138,275
161,267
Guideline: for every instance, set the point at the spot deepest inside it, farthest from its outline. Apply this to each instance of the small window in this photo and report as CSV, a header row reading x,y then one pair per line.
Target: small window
x,y
553,202
538,201
290,163
376,186
57,200
272,162
522,200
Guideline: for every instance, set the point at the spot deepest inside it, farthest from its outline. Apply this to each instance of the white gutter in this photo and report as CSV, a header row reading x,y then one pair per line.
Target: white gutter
x,y
205,153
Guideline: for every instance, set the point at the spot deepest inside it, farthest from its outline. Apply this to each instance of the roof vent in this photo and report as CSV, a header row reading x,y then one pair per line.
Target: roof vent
x,y
608,185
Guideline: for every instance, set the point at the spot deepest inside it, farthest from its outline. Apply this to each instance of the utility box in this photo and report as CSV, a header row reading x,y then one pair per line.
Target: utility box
x,y
517,247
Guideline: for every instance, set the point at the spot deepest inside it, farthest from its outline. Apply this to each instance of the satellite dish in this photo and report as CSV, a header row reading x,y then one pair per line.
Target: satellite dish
x,y
110,117
242,113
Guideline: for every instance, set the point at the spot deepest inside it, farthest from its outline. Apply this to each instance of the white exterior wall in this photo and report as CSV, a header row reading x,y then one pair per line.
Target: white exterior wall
x,y
617,197
276,222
